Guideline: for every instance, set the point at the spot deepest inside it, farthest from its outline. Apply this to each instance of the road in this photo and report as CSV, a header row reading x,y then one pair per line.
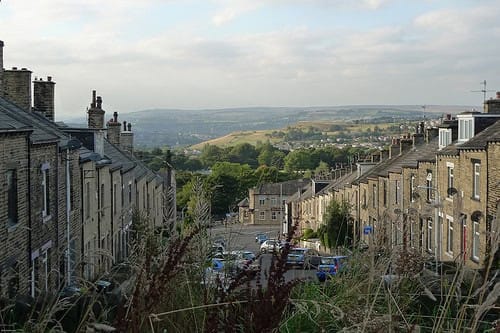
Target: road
x,y
242,237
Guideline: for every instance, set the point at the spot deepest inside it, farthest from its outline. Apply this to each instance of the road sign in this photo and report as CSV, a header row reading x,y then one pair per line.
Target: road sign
x,y
367,230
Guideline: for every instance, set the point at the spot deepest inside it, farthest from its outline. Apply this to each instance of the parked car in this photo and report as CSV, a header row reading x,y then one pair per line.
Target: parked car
x,y
245,260
271,245
260,238
304,257
330,266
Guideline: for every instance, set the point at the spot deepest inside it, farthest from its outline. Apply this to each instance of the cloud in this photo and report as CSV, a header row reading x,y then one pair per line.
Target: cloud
x,y
233,9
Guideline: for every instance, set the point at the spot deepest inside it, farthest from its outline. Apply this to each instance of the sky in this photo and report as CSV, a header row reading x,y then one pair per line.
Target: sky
x,y
190,54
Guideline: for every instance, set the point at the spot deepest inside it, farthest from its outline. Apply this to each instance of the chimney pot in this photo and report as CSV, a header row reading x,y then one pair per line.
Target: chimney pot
x,y
14,68
129,125
23,69
99,102
115,117
124,125
49,78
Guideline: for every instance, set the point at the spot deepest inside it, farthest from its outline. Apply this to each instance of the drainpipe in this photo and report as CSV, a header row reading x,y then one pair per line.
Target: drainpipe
x,y
83,212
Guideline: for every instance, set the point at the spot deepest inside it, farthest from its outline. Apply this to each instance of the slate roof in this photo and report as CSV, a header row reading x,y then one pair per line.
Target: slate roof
x,y
17,118
243,203
286,188
425,152
481,140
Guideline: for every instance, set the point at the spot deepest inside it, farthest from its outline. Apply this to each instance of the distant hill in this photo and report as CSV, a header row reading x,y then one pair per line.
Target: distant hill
x,y
174,127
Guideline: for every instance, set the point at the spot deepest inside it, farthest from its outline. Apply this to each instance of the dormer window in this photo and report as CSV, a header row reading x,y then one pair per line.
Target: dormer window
x,y
444,137
465,129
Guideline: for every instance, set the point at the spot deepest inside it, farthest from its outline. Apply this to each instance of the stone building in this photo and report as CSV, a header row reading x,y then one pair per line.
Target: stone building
x,y
436,192
68,195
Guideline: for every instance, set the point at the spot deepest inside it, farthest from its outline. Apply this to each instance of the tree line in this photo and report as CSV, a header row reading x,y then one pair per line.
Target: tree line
x,y
229,172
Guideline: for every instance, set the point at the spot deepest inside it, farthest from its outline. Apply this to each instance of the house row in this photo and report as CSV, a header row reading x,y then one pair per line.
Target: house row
x,y
436,191
67,195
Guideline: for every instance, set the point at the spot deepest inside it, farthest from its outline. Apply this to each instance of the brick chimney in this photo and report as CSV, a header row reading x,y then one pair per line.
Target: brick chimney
x,y
17,87
1,68
43,97
96,113
493,105
127,138
114,128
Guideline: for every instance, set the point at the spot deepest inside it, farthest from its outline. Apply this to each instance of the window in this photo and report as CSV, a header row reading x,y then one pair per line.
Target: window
x,y
476,181
429,235
262,201
374,195
46,190
130,193
114,198
274,216
262,215
475,240
364,198
274,201
449,241
450,179
385,193
465,129
428,184
87,200
444,137
412,187
397,192
101,205
11,197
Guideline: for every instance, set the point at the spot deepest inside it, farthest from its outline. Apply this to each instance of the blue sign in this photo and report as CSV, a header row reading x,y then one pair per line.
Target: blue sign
x,y
367,230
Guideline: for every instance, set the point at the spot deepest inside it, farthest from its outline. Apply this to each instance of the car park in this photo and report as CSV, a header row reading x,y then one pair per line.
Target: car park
x,y
304,257
330,266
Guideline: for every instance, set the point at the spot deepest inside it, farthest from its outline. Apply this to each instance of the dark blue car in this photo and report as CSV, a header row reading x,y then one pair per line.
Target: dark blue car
x,y
330,266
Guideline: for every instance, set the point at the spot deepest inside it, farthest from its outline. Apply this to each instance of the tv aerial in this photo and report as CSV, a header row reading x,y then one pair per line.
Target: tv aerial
x,y
484,91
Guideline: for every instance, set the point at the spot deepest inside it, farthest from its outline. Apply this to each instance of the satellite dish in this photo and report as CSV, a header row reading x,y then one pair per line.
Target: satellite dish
x,y
452,191
429,177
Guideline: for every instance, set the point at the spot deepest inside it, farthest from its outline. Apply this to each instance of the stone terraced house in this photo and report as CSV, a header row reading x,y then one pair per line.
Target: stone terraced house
x,y
67,195
436,191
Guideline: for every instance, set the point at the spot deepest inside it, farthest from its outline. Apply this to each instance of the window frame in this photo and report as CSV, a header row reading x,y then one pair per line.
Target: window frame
x,y
12,198
476,179
449,234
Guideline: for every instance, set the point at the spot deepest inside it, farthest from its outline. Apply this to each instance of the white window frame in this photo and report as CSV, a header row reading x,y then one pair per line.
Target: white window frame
x,y
274,201
430,240
398,192
46,190
262,215
476,241
444,137
451,177
476,180
412,187
449,236
274,216
262,201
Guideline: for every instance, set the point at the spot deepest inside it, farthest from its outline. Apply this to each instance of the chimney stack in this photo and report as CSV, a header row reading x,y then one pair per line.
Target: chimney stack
x,y
127,138
114,128
43,97
431,133
17,87
394,148
96,113
493,105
